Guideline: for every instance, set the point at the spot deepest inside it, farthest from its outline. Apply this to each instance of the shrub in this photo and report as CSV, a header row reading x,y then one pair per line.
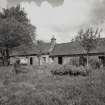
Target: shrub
x,y
57,91
95,64
93,91
71,70
57,70
63,70
84,70
80,70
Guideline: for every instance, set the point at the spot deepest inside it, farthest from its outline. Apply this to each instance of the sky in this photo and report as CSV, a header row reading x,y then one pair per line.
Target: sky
x,y
61,18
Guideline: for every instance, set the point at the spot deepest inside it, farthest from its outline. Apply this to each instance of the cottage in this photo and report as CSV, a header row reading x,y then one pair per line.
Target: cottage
x,y
38,54
47,53
72,52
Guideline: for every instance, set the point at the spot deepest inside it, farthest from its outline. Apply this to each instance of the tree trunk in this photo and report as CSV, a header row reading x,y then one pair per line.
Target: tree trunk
x,y
3,56
3,60
7,52
39,60
87,60
7,56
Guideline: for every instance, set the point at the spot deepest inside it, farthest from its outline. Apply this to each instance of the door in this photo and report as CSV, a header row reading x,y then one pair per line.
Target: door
x,y
60,60
31,61
102,59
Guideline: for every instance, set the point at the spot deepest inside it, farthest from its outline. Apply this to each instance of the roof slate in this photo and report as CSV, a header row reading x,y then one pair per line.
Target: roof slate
x,y
32,49
43,47
63,49
74,48
24,50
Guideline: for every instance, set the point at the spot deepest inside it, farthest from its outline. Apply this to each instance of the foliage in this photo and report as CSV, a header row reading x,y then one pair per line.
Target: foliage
x,y
88,39
15,29
12,35
95,64
53,90
15,12
16,24
93,91
40,48
70,69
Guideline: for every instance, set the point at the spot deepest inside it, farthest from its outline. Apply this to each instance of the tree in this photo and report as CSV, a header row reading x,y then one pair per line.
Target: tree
x,y
15,30
16,13
88,39
39,47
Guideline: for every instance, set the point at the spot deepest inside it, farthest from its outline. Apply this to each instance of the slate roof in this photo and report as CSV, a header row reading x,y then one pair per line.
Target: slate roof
x,y
63,49
24,50
32,49
70,48
43,47
74,48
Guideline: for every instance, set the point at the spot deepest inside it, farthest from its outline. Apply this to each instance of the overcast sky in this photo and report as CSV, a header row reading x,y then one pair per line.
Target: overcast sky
x,y
61,18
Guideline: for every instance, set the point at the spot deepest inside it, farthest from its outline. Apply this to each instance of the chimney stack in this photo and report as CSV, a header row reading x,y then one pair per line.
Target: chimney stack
x,y
53,43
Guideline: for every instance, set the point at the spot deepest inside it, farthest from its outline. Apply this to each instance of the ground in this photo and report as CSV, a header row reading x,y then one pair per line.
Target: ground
x,y
38,86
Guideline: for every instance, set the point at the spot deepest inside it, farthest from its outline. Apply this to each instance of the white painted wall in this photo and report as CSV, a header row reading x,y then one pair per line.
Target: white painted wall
x,y
45,59
35,60
12,60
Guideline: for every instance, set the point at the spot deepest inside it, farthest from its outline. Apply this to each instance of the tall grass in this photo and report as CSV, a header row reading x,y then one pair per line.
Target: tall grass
x,y
31,89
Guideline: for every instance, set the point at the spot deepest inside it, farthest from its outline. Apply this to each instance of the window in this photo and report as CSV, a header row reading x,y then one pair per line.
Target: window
x,y
102,59
31,61
44,59
52,58
60,60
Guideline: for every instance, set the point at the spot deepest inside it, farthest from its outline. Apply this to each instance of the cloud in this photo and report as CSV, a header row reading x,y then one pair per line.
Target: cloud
x,y
98,12
38,2
3,4
62,18
61,21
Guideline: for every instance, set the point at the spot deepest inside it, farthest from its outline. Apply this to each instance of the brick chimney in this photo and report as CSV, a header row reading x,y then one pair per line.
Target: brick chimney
x,y
52,44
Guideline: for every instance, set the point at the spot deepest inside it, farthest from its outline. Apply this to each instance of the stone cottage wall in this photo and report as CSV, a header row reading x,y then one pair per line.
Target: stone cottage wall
x,y
71,60
34,60
44,59
55,60
67,60
12,60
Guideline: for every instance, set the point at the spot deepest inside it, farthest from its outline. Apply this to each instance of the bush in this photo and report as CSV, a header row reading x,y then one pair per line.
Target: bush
x,y
63,70
93,91
59,70
84,71
71,70
81,70
95,64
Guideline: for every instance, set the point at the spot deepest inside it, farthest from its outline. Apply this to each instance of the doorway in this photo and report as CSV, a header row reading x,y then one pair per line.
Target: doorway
x,y
102,60
31,60
60,60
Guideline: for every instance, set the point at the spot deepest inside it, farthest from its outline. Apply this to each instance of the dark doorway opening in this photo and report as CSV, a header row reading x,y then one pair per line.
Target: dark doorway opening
x,y
82,60
102,60
31,61
60,60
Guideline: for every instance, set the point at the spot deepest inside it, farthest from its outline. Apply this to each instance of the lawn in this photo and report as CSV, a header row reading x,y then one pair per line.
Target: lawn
x,y
39,87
